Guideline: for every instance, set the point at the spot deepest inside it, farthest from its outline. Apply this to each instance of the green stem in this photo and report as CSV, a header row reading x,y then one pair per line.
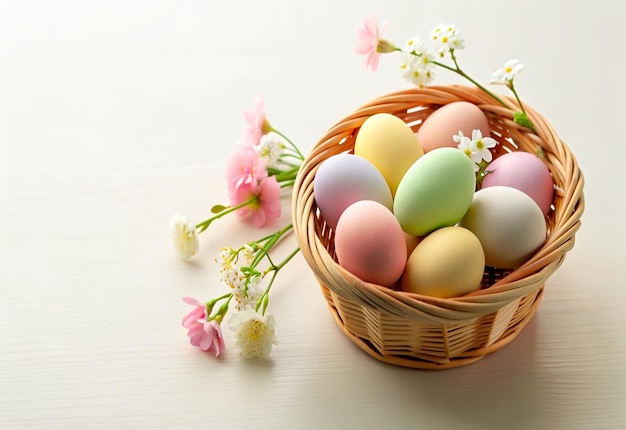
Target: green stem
x,y
206,223
460,72
456,69
217,299
270,241
512,88
221,312
288,258
290,155
263,300
287,174
293,145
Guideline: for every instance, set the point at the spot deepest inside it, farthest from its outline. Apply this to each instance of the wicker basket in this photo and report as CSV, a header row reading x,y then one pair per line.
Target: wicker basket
x,y
424,332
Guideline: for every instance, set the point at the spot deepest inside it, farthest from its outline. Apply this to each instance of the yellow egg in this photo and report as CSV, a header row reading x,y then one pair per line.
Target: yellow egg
x,y
449,262
389,144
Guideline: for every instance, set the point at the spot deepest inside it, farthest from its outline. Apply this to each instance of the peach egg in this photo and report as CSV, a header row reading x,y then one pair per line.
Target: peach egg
x,y
438,129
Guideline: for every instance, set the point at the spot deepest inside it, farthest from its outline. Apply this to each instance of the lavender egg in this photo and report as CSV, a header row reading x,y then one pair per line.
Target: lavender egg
x,y
344,179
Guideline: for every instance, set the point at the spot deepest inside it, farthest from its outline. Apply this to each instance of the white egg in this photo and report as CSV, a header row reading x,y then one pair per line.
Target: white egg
x,y
508,223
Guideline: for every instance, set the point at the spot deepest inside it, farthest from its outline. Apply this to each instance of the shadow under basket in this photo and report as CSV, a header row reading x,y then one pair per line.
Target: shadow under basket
x,y
423,332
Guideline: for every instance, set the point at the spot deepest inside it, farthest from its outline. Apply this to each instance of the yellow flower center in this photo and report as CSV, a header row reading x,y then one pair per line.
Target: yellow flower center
x,y
266,127
508,69
255,331
480,145
444,39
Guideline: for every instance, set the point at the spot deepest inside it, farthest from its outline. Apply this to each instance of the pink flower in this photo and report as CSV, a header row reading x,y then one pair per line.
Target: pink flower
x,y
370,42
265,204
258,125
206,335
244,167
197,314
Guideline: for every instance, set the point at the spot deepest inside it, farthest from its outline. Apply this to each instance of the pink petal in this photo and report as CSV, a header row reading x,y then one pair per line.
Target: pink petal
x,y
244,166
371,24
272,210
372,61
191,301
383,28
206,341
191,319
362,48
270,191
242,194
219,345
195,335
257,218
218,341
269,197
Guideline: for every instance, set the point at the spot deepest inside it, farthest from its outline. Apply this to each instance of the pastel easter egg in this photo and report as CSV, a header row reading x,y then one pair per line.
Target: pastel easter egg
x,y
370,244
449,262
435,192
389,144
508,223
438,129
411,242
525,172
344,179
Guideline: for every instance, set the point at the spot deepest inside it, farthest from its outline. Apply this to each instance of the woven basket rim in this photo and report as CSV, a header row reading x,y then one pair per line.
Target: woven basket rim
x,y
564,221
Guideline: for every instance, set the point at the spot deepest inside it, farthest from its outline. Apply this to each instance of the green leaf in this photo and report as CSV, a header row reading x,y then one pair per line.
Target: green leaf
x,y
522,119
540,154
218,208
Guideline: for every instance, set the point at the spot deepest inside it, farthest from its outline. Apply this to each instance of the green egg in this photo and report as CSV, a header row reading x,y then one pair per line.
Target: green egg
x,y
436,191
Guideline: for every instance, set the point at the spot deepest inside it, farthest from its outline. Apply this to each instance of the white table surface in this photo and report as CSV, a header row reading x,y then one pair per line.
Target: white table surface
x,y
115,115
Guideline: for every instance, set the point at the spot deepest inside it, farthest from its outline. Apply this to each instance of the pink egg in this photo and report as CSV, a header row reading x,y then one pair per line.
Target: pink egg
x,y
525,172
370,243
444,123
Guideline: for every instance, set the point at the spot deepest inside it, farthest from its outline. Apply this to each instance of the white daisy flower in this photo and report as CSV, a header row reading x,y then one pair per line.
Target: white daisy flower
x,y
507,73
270,148
448,38
184,235
482,145
413,45
254,333
417,70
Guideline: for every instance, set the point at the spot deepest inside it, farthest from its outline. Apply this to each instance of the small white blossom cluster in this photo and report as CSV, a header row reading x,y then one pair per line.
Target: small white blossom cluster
x,y
476,148
246,289
448,38
270,148
418,62
254,332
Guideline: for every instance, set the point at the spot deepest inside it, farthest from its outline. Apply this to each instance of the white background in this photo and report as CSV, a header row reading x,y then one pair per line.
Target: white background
x,y
115,115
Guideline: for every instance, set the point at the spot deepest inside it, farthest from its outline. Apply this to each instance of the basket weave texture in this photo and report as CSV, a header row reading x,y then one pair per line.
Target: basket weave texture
x,y
417,331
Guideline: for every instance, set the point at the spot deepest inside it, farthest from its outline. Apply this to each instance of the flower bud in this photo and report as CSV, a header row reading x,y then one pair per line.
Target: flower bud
x,y
385,46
